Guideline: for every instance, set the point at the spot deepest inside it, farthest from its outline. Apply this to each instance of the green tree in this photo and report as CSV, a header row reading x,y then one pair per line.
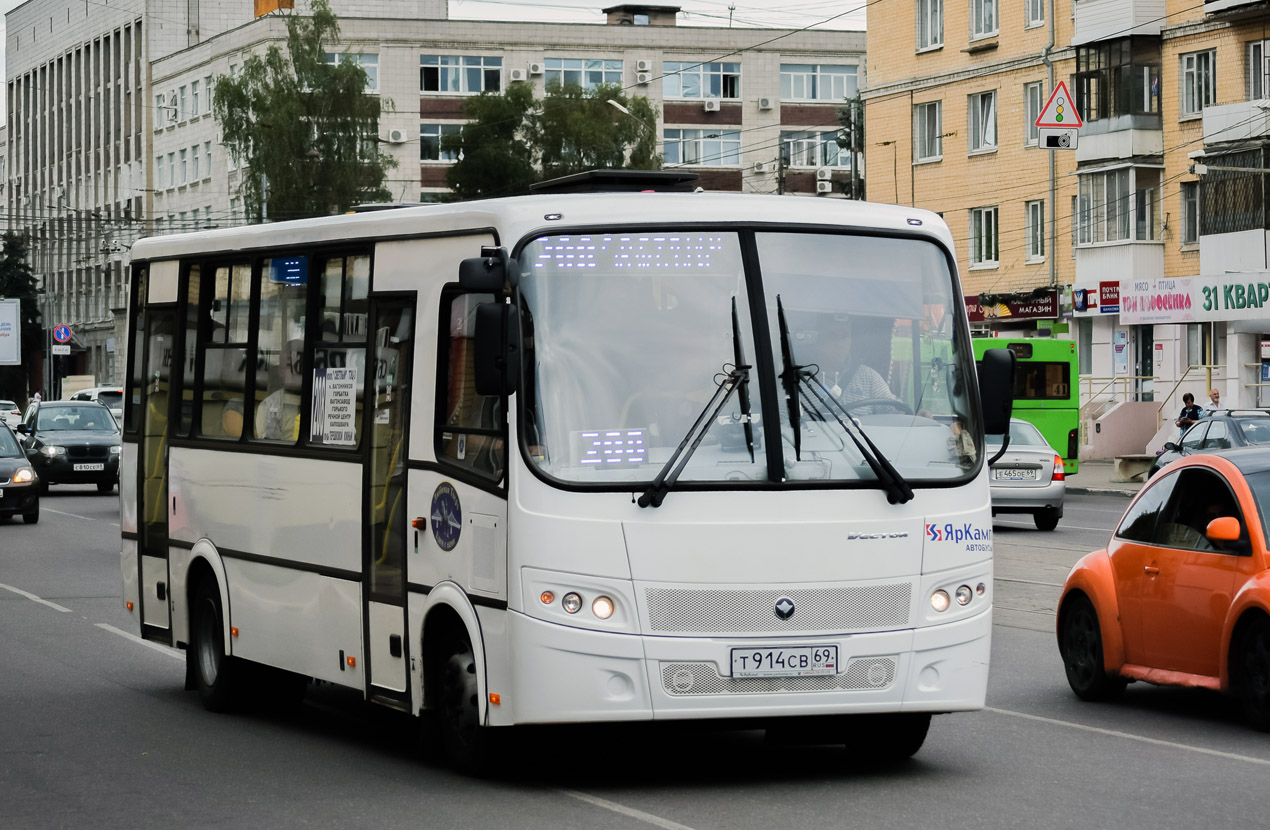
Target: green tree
x,y
305,130
851,137
513,140
17,282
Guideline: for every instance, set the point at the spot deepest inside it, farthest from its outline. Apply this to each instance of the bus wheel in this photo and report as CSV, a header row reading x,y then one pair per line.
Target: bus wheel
x,y
215,673
466,742
886,739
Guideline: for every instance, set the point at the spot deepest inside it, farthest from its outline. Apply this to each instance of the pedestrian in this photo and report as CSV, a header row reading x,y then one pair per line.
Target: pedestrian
x,y
1190,412
36,398
1214,401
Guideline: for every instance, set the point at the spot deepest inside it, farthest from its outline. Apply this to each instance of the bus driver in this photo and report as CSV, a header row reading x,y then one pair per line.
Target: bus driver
x,y
856,346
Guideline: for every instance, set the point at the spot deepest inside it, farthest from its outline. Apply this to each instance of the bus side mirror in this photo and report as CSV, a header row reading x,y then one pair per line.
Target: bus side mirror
x,y
996,390
489,273
497,358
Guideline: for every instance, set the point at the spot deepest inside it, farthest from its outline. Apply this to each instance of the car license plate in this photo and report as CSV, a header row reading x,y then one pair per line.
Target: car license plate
x,y
798,661
1014,475
88,468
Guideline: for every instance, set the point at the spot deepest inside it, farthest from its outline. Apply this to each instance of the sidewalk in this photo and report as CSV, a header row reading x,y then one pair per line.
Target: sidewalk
x,y
1095,477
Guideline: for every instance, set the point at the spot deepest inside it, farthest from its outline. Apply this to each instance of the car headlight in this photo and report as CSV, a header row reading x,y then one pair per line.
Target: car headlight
x,y
51,451
24,475
116,449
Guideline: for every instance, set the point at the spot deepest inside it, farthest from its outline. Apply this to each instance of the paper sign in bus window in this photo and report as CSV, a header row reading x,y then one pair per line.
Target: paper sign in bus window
x,y
335,406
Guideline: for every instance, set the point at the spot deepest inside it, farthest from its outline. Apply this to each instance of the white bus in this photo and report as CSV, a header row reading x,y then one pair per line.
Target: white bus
x,y
568,458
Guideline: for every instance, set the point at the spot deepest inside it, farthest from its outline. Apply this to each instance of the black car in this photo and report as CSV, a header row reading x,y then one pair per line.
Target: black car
x,y
1221,430
19,485
72,442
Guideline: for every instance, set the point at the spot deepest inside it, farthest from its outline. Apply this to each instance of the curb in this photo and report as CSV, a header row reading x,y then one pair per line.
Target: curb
x,y
1102,491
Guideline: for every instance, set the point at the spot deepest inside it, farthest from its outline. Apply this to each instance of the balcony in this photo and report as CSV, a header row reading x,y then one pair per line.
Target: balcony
x,y
1241,121
1098,19
1119,261
1236,6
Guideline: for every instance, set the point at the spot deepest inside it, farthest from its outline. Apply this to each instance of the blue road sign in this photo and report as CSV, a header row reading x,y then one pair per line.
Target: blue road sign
x,y
62,334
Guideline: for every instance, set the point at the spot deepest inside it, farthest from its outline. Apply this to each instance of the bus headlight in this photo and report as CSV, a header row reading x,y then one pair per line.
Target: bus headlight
x,y
571,603
602,607
964,595
940,600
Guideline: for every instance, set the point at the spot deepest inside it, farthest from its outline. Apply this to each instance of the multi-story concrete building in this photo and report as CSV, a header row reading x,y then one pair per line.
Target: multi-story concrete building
x,y
1131,230
112,135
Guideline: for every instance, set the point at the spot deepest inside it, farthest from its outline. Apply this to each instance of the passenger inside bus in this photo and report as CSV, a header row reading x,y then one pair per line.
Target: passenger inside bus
x,y
278,414
855,352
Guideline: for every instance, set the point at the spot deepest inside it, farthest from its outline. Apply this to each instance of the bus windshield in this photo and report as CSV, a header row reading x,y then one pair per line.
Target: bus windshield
x,y
633,332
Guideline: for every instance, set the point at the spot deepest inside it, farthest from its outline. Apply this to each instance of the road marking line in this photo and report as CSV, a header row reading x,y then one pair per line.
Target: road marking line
x,y
631,812
1142,738
159,648
77,516
1028,581
1062,525
34,598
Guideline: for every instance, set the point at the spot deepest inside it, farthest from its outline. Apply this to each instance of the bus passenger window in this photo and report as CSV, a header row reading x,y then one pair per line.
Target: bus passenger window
x,y
280,364
225,356
338,360
469,426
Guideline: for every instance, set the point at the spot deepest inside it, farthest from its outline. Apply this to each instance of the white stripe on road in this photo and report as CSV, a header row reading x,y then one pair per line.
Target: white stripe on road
x,y
1062,525
77,516
34,598
631,812
159,648
1142,738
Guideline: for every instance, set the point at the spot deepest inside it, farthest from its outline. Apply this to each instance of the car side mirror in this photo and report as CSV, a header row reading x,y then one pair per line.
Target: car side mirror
x,y
1169,446
23,429
1223,529
996,390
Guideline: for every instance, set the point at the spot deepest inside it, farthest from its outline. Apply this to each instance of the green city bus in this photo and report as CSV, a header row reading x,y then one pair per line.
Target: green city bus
x,y
1046,390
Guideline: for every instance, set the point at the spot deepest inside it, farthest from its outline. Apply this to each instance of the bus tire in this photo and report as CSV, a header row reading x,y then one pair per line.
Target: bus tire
x,y
885,739
215,673
457,720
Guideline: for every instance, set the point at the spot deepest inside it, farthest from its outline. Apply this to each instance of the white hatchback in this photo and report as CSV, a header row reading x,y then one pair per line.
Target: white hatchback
x,y
9,413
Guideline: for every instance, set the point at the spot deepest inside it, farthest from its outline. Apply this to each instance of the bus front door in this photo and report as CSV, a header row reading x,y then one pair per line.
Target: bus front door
x,y
152,472
387,405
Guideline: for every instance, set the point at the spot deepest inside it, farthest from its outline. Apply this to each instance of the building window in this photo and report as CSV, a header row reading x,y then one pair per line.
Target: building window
x,y
930,23
983,18
585,72
685,79
185,167
1190,213
1075,220
468,74
817,82
1104,206
158,172
983,122
928,141
1033,13
160,112
182,97
207,94
194,165
370,63
1035,217
207,159
983,237
1032,103
710,148
1118,77
171,169
1258,70
430,142
810,148
194,96
1199,81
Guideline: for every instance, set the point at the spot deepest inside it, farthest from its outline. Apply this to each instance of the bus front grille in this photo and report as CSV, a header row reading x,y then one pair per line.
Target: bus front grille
x,y
843,609
702,679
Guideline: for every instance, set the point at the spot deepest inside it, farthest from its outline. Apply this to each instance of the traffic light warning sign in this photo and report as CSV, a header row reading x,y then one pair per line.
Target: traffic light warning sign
x,y
1059,110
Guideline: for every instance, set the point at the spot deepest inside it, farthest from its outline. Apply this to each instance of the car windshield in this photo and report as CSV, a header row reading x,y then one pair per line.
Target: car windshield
x,y
1022,434
632,334
92,418
8,445
114,400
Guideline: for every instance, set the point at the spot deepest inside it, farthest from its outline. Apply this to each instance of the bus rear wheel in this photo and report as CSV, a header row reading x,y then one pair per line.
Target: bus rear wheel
x,y
215,673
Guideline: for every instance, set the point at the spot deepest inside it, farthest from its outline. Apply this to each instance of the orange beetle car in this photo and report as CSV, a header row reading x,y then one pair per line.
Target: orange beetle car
x,y
1181,594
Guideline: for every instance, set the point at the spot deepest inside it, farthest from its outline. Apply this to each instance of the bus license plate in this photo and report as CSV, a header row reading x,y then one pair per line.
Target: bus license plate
x,y
88,468
1014,475
799,661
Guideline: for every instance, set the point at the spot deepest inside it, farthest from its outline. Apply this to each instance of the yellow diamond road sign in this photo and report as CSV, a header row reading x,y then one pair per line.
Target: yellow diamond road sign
x,y
1059,110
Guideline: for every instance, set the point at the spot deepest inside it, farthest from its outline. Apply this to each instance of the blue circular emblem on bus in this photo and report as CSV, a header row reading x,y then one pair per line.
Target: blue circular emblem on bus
x,y
447,517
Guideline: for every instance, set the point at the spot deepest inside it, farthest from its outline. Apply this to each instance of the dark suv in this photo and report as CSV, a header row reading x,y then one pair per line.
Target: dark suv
x,y
72,442
1223,429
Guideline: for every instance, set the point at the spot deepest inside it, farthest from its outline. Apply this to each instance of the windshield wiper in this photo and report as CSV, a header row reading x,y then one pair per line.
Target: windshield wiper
x,y
734,380
743,391
802,384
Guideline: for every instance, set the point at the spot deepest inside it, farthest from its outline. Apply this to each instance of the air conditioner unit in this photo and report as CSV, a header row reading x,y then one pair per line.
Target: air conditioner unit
x,y
643,77
766,103
824,187
824,174
535,69
643,66
712,105
519,75
763,167
396,136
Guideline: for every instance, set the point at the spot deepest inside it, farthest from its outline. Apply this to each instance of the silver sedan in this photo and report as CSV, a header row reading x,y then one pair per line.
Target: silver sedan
x,y
1029,477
